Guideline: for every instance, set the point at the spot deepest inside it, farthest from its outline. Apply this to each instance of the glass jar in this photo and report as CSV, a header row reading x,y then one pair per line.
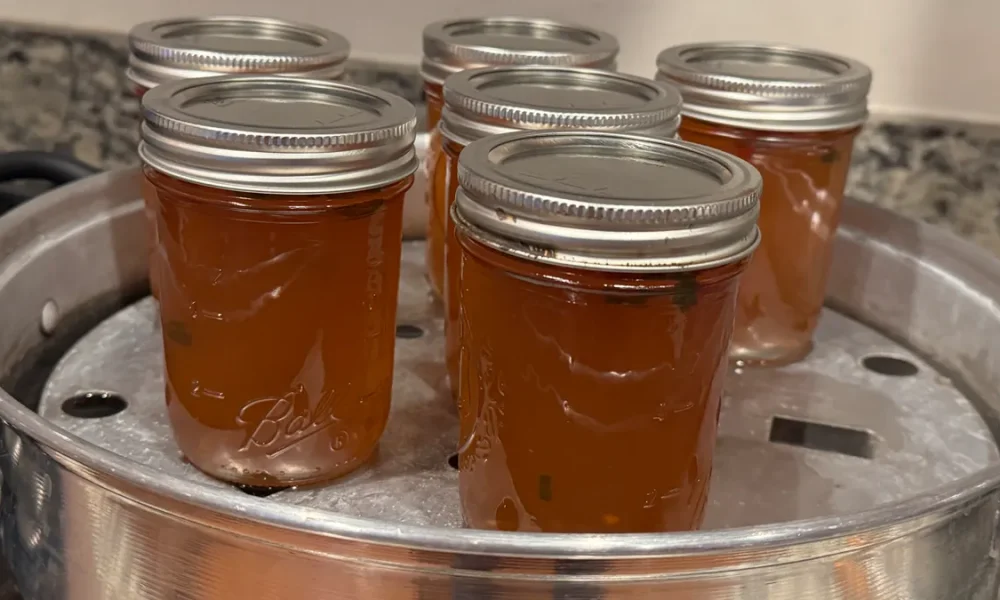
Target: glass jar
x,y
793,114
280,269
457,44
492,100
598,284
185,48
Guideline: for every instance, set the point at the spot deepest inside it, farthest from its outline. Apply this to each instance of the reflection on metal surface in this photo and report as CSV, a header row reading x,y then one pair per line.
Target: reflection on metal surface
x,y
8,590
79,521
30,518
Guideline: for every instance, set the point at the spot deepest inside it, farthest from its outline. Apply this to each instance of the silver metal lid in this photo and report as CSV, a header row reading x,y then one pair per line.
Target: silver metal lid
x,y
278,135
608,201
770,87
169,49
494,100
454,45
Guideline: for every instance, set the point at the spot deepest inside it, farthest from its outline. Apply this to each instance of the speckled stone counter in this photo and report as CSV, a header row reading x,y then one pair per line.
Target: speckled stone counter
x,y
66,91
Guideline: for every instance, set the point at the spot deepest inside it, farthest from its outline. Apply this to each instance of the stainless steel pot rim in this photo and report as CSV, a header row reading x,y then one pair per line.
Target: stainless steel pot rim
x,y
87,459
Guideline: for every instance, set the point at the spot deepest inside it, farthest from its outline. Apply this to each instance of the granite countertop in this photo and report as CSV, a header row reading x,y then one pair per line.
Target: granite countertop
x,y
66,91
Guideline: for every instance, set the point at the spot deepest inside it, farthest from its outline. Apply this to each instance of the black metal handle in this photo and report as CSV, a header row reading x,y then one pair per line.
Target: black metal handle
x,y
56,169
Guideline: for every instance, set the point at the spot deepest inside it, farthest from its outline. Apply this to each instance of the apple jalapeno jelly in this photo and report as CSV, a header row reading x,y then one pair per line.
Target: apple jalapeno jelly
x,y
482,102
280,214
794,114
455,45
186,48
597,293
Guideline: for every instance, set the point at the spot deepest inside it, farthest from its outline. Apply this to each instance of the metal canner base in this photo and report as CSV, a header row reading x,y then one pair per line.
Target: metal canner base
x,y
869,470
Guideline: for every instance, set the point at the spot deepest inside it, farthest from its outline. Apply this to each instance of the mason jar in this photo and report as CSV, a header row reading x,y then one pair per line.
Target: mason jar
x,y
793,113
453,45
280,213
184,48
598,284
492,100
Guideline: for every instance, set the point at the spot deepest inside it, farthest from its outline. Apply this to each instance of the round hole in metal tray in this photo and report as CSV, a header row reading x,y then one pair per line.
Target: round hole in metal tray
x,y
409,332
453,461
889,365
94,405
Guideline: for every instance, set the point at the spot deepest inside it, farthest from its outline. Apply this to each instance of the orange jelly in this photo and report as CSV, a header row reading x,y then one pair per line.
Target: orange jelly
x,y
487,101
170,49
435,102
798,128
804,177
279,269
454,45
599,275
436,181
149,211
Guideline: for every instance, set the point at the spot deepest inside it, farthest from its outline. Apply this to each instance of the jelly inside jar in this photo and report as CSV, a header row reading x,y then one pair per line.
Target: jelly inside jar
x,y
149,210
435,102
588,401
453,262
782,293
435,166
278,317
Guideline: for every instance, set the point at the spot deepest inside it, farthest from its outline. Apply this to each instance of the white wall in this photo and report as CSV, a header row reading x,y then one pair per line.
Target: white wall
x,y
937,58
